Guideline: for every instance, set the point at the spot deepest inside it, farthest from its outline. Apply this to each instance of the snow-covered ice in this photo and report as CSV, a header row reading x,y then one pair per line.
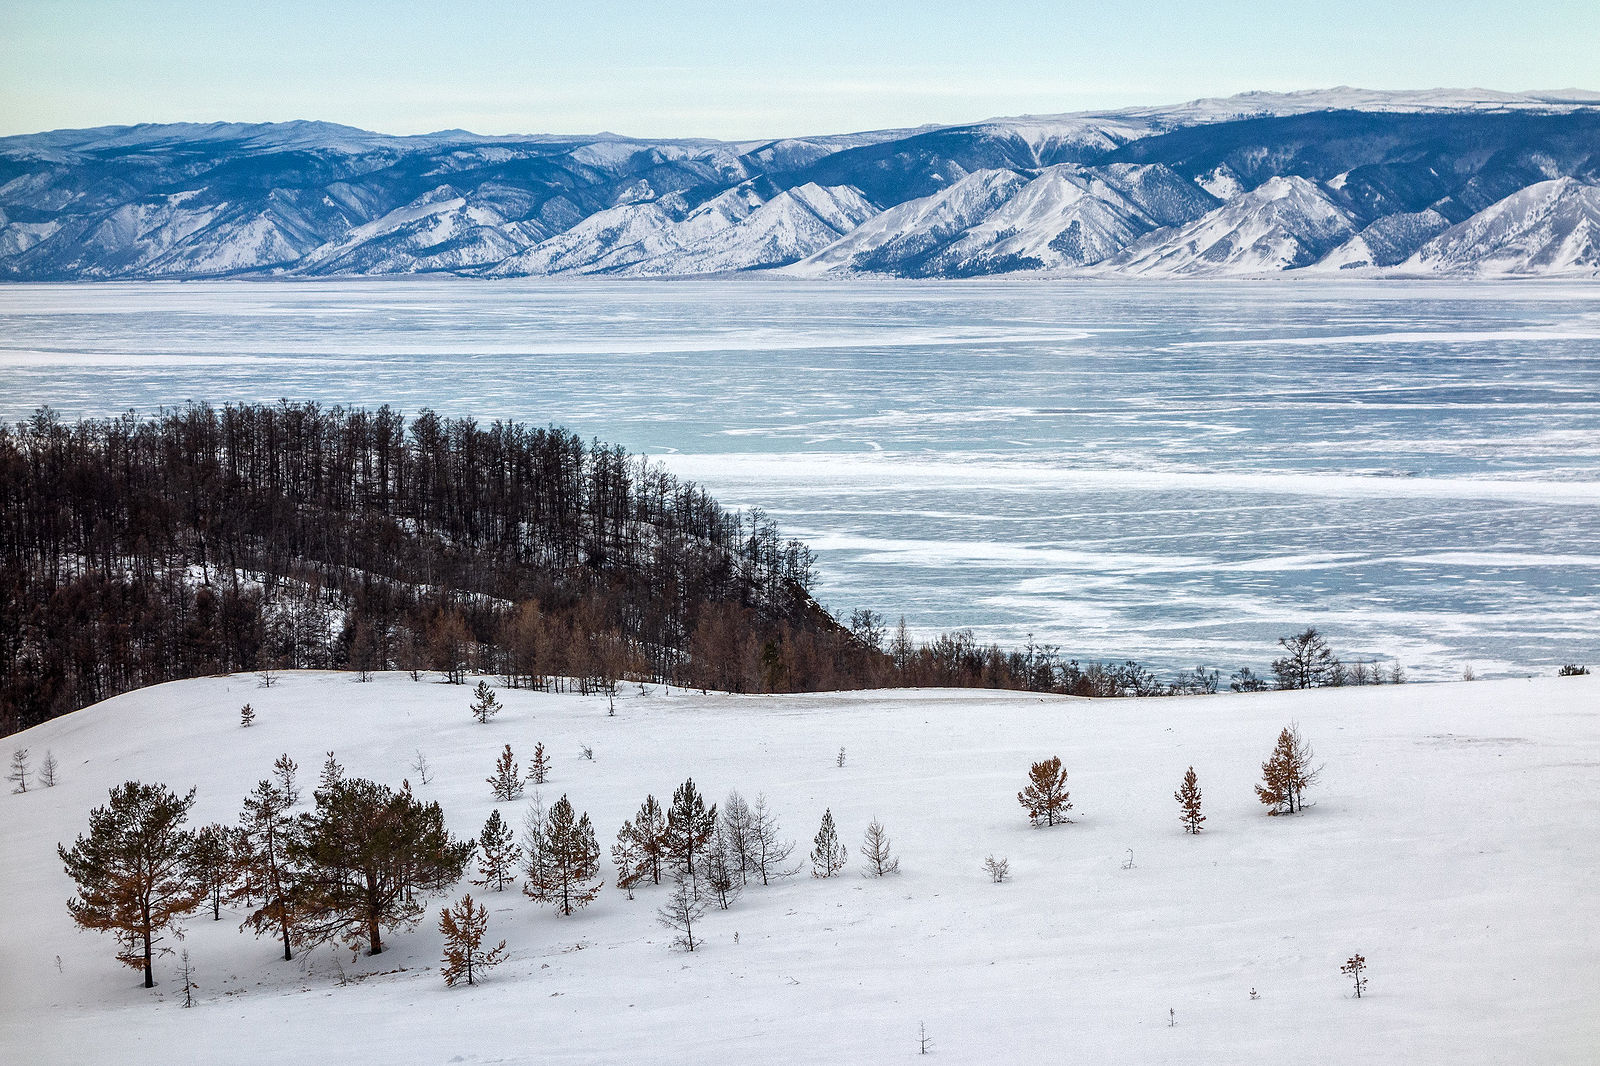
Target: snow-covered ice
x,y
965,452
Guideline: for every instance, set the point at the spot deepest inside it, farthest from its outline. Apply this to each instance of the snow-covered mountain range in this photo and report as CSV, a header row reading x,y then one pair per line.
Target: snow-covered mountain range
x,y
1443,182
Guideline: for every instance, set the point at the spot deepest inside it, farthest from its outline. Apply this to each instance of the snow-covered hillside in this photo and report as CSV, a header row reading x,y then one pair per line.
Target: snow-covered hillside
x,y
1552,227
1453,841
1282,224
1370,177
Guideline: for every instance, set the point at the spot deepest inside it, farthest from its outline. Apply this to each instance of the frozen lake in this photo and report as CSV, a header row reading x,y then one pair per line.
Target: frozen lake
x,y
1177,473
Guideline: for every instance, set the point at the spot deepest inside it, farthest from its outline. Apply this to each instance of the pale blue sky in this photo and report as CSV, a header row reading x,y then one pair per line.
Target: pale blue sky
x,y
750,69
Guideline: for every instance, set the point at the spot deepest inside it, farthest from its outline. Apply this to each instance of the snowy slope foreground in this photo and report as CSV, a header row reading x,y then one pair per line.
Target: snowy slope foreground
x,y
1260,183
1452,840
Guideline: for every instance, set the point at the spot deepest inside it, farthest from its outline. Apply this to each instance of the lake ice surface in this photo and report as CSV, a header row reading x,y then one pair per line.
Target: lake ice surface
x,y
1175,472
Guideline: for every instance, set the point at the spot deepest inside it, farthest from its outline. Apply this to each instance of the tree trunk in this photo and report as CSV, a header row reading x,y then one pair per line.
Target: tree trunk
x,y
149,978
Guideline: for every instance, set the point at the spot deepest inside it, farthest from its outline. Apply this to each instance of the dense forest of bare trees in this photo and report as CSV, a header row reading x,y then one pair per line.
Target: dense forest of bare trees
x,y
135,551
211,540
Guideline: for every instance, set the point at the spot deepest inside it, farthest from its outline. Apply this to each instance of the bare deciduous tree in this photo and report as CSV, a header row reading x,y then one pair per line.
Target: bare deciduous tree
x,y
680,913
876,850
769,851
420,766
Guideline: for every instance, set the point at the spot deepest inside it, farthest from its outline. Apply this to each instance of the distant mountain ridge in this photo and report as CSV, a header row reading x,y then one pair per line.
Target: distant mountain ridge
x,y
1459,183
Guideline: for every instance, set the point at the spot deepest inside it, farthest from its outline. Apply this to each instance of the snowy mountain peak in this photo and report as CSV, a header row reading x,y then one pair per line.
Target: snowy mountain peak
x,y
1335,179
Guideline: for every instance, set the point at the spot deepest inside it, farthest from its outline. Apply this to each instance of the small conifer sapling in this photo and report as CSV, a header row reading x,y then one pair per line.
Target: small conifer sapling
x,y
265,832
284,770
485,705
722,870
539,765
214,863
507,779
464,926
247,716
690,825
49,771
1188,797
19,769
628,856
1287,773
186,972
1355,967
498,854
1046,797
649,829
332,773
566,874
828,856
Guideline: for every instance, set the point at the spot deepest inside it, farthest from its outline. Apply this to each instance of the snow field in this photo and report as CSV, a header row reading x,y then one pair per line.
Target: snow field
x,y
1452,841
